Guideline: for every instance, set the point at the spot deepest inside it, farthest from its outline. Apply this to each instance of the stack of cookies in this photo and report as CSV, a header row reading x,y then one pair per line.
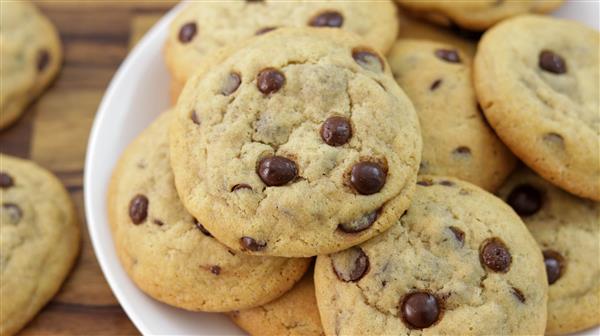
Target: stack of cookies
x,y
310,129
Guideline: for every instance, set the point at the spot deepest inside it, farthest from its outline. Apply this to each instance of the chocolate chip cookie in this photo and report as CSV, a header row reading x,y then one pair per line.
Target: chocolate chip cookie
x,y
31,57
457,140
294,313
537,81
476,15
172,256
202,27
458,262
567,229
39,240
298,144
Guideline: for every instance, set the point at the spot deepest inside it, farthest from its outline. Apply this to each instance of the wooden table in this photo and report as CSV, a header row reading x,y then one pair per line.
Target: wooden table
x,y
54,131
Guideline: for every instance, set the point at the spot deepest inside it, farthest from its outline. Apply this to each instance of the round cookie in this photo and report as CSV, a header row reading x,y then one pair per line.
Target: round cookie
x,y
294,313
537,80
170,255
457,140
39,240
203,27
476,15
31,57
567,229
458,262
310,150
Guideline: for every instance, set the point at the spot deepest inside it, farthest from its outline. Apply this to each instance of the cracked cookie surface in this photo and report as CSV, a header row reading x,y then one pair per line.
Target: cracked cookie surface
x,y
459,261
203,27
39,240
293,314
299,143
567,229
170,255
456,138
536,79
31,57
476,15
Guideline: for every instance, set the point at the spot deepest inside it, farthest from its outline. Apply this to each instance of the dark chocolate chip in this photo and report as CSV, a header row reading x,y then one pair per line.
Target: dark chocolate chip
x,y
240,186
264,30
202,228
448,55
138,209
158,222
43,59
458,234
270,80
216,270
187,32
495,255
336,131
368,59
435,84
14,212
360,224
518,294
425,183
367,177
328,18
420,310
446,183
276,170
252,244
552,62
195,118
462,150
231,84
6,181
554,265
525,199
350,265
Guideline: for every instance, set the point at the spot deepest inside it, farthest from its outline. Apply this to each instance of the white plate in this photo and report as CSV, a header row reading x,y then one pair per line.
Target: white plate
x,y
136,95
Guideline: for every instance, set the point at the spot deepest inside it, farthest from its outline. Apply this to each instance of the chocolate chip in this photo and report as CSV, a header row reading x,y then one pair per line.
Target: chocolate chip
x,y
264,30
187,32
276,170
202,228
425,183
420,310
336,131
552,62
216,270
555,140
448,55
252,244
158,222
458,234
367,177
6,181
195,118
240,186
446,183
525,199
518,294
435,84
368,59
43,59
231,84
327,19
14,212
554,265
350,265
270,80
360,224
138,209
462,150
495,255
